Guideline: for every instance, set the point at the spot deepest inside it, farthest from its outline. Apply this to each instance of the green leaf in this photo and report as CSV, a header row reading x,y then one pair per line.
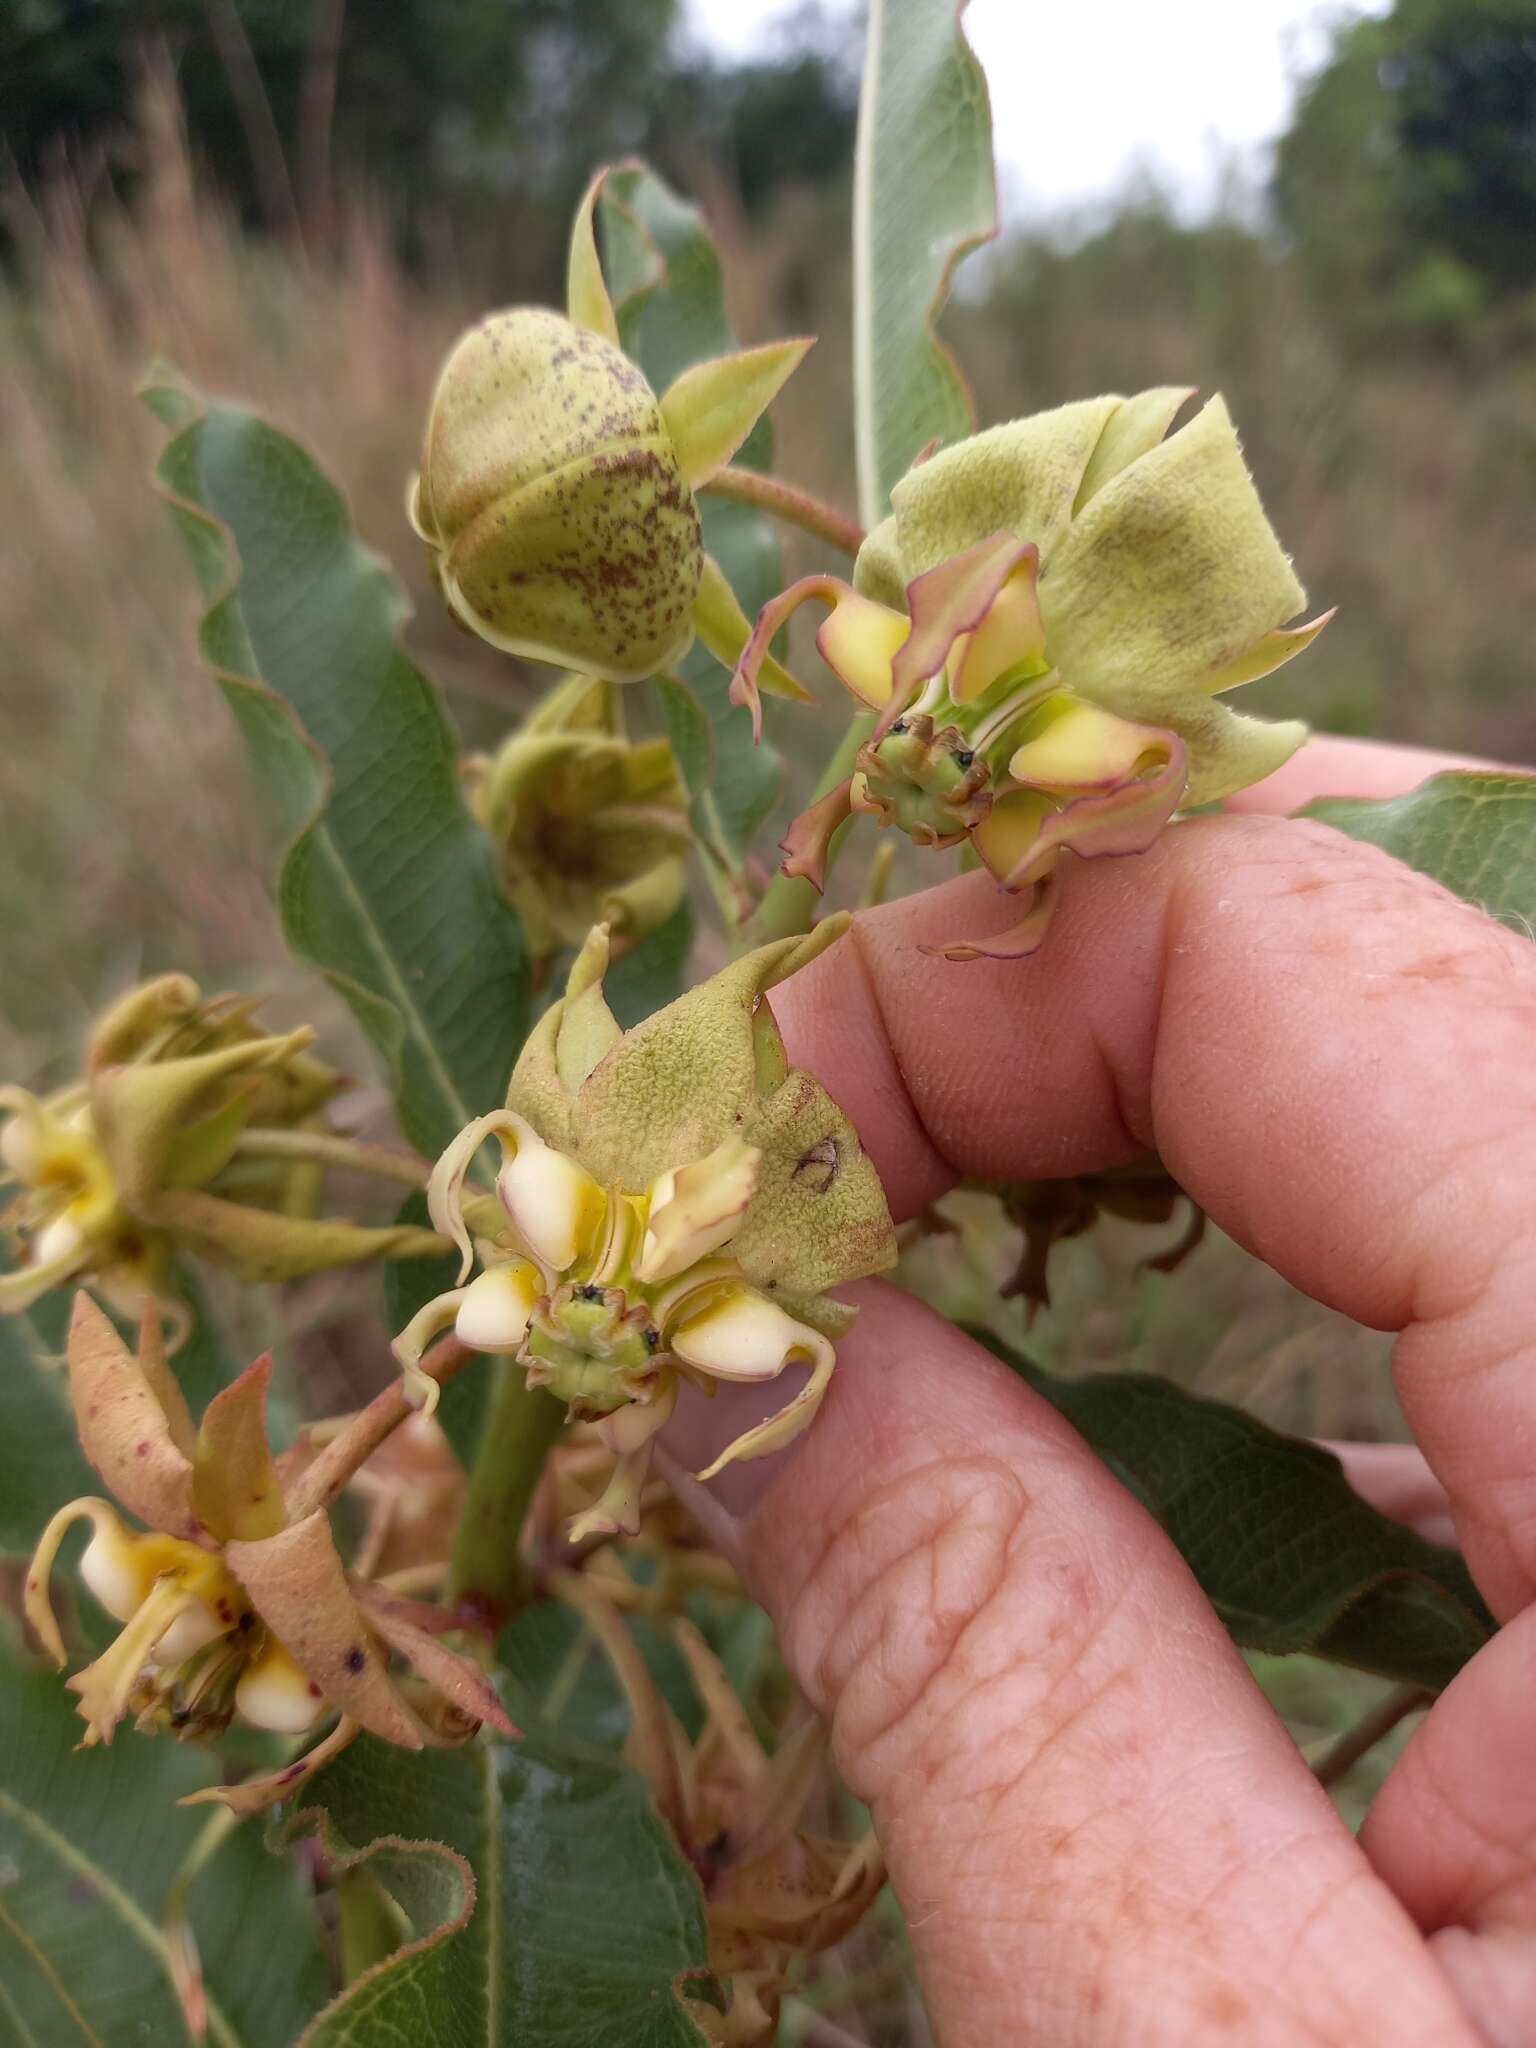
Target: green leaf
x,y
584,1917
90,1846
558,1671
1287,1553
388,886
924,194
1472,830
669,291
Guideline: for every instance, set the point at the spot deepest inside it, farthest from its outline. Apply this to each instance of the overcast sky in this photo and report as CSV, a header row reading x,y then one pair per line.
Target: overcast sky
x,y
1085,93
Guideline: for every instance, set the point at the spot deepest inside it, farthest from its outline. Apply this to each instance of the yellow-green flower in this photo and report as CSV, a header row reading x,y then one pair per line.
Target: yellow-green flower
x,y
589,826
158,1147
671,1205
1045,625
234,1601
557,489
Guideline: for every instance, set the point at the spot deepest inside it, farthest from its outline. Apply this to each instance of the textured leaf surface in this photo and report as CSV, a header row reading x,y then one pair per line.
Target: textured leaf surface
x,y
924,194
1472,831
388,886
1287,1553
669,292
90,1845
584,1913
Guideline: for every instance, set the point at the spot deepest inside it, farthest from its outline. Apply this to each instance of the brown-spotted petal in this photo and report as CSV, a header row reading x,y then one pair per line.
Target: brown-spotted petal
x,y
254,1794
299,1588
413,1630
124,1430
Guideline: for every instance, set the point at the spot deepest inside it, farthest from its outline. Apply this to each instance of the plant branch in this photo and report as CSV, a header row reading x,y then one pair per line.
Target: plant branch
x,y
1372,1728
489,1574
325,1148
356,1441
790,902
787,502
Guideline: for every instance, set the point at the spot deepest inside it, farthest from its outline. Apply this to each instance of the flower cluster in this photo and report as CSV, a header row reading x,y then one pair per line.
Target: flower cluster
x,y
1045,625
234,1600
589,826
671,1205
183,1132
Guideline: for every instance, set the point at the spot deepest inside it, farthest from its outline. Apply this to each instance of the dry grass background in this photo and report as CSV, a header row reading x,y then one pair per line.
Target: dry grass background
x,y
1404,488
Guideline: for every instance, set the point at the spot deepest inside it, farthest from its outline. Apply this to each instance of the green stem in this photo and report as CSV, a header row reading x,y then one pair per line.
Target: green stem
x,y
790,902
325,1148
521,1425
787,502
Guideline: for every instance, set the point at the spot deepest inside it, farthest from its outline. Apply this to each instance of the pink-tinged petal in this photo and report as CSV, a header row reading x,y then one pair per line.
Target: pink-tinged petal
x,y
808,839
235,1490
459,1681
272,1786
946,603
1010,831
1017,942
1012,635
1273,651
124,1431
1122,820
298,1586
744,683
859,643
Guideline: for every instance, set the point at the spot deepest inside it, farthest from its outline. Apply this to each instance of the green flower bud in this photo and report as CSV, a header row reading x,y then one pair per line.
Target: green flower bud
x,y
563,523
590,827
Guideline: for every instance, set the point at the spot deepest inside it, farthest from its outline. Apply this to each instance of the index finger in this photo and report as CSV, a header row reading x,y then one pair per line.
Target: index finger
x,y
1329,1052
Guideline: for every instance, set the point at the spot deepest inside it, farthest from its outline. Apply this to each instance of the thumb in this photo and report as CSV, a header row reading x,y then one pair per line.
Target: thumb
x,y
1097,1829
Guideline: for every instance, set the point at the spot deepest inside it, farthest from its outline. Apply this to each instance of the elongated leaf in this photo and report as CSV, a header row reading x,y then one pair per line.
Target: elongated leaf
x,y
585,1916
388,886
923,195
1471,830
670,296
1287,1553
90,1846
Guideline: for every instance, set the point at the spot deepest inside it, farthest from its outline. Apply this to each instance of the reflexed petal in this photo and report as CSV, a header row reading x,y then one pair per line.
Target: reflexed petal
x,y
743,1336
1011,636
124,1431
446,1187
298,1587
493,1310
271,1786
809,837
1017,942
429,1321
117,1569
554,1204
456,1679
722,625
630,1433
1010,831
235,1491
693,1211
1125,818
859,642
748,679
947,602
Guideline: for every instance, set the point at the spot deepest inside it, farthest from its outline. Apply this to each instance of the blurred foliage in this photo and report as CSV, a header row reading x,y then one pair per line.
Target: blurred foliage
x,y
1408,177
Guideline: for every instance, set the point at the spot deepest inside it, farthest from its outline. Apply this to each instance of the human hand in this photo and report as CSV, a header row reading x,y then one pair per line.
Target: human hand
x,y
1098,1829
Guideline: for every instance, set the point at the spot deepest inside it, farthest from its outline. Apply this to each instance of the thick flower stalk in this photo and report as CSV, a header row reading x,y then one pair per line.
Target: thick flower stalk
x,y
671,1205
233,1599
1045,625
556,491
158,1147
589,826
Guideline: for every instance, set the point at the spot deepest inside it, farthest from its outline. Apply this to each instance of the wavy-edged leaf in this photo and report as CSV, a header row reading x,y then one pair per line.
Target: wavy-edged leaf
x,y
388,886
924,194
1473,830
585,1918
90,1846
669,292
1287,1553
